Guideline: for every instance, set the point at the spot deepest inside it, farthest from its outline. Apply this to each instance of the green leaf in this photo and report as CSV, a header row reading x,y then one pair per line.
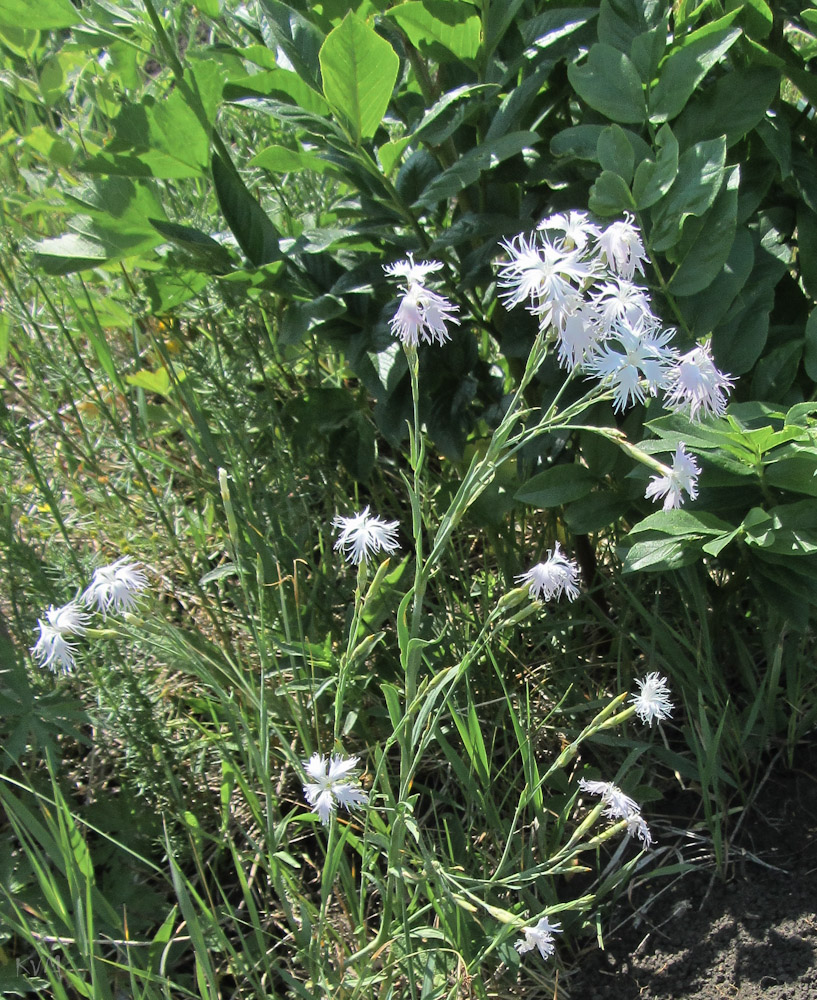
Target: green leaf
x,y
754,17
654,177
469,166
449,112
661,554
687,65
615,153
5,336
558,485
807,249
700,173
701,255
298,38
681,523
359,73
610,84
810,356
704,311
622,21
283,160
203,247
596,511
255,232
158,381
433,25
610,195
775,372
648,49
795,471
41,15
281,83
732,106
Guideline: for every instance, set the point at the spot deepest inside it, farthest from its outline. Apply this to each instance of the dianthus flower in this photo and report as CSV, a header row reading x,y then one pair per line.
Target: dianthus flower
x,y
652,702
114,587
621,248
695,385
577,228
421,314
540,936
639,366
333,782
363,534
53,648
683,476
619,806
555,576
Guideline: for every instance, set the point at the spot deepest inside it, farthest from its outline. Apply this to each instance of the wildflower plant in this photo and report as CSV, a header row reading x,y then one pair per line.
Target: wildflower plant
x,y
520,284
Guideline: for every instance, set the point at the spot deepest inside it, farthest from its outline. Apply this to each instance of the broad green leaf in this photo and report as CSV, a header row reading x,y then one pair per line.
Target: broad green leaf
x,y
810,356
610,84
622,21
654,177
661,554
561,484
610,195
283,84
430,25
615,153
754,16
733,105
795,471
252,227
701,255
582,141
700,173
359,72
596,511
807,250
468,168
283,160
80,250
158,381
680,523
775,372
704,311
284,28
207,251
446,115
648,49
42,15
687,65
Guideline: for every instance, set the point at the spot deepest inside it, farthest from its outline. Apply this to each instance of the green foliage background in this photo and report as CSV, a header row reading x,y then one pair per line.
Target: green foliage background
x,y
197,205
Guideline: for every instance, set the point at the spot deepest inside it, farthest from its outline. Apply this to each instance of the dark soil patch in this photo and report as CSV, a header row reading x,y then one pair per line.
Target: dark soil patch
x,y
752,936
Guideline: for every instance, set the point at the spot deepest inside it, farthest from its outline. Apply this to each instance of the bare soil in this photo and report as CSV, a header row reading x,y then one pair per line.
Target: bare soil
x,y
752,936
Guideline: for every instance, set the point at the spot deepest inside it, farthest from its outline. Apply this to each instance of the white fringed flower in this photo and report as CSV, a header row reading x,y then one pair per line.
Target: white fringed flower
x,y
555,576
540,936
682,477
363,534
695,385
53,648
621,248
333,783
638,366
114,587
652,702
619,806
577,228
421,313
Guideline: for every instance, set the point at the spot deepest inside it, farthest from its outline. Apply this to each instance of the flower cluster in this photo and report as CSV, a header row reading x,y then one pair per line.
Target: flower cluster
x,y
619,806
421,314
578,280
112,587
540,936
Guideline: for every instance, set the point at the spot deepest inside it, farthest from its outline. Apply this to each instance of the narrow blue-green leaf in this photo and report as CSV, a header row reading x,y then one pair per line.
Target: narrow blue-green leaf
x,y
359,71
